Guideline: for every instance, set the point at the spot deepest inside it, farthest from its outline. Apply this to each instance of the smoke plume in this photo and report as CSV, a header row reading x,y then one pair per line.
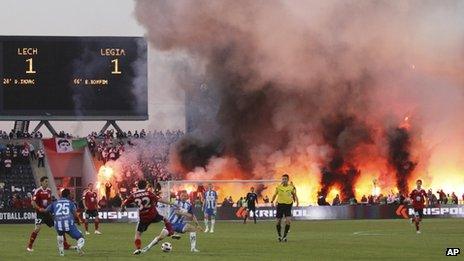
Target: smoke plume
x,y
313,87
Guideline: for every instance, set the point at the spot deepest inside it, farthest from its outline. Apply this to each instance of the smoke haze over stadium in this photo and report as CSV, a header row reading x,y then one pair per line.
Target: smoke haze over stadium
x,y
341,93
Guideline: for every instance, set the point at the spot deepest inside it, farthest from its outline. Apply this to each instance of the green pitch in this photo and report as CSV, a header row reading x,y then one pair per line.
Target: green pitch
x,y
308,240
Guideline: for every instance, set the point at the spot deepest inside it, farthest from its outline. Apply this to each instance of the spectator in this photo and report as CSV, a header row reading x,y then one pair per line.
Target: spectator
x,y
454,199
41,158
353,201
117,200
336,201
370,200
390,199
14,150
321,200
17,202
431,199
442,197
25,154
382,199
105,155
239,202
27,201
7,164
364,199
31,150
38,135
102,202
108,187
225,203
266,199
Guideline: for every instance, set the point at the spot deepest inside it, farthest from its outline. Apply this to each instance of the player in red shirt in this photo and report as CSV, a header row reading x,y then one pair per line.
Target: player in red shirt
x,y
418,196
90,201
146,202
41,198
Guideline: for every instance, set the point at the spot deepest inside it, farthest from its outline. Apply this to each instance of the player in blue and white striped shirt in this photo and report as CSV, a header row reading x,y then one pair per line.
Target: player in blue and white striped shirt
x,y
209,207
64,212
181,209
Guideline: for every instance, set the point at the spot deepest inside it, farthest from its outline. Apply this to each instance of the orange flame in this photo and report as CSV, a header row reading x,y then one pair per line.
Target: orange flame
x,y
105,174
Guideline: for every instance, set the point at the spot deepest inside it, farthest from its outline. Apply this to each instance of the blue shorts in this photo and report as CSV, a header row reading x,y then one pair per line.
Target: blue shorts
x,y
73,232
210,212
179,227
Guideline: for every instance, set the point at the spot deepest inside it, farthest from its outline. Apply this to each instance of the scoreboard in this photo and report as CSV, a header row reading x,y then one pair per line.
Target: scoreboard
x,y
73,78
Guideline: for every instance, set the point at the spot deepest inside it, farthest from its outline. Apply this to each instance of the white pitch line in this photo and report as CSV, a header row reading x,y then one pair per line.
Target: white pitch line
x,y
366,233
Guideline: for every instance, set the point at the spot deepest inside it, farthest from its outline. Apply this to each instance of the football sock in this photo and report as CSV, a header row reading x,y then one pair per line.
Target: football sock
x,y
138,243
278,227
193,240
168,225
212,223
60,241
206,224
287,228
153,242
32,238
65,242
86,226
96,224
80,242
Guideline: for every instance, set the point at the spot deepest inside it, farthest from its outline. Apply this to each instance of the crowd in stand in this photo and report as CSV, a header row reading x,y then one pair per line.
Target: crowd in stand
x,y
10,156
12,135
432,199
151,164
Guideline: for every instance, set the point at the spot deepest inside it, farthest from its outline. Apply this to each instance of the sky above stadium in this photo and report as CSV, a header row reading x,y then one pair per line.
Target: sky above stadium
x,y
95,18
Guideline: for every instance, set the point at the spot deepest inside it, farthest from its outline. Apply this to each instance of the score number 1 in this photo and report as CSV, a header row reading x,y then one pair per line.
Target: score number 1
x,y
116,67
30,68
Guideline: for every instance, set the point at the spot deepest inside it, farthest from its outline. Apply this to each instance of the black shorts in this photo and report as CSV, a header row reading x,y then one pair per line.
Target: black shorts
x,y
284,210
91,214
419,212
142,226
44,218
251,208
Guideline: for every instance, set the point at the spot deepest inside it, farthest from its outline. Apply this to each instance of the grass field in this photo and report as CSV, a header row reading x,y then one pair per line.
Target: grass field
x,y
308,240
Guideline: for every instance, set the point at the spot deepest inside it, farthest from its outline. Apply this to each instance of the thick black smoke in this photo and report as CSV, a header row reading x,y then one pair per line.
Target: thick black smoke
x,y
399,156
193,153
242,119
344,134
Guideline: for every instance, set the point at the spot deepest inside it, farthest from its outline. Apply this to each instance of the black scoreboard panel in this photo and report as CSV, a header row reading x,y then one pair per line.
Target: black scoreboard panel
x,y
73,78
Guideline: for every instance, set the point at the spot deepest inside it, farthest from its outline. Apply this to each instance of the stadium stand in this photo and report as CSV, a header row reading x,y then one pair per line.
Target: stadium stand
x,y
16,176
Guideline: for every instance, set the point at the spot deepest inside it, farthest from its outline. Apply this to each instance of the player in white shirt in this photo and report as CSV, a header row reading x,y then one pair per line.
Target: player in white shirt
x,y
210,207
181,209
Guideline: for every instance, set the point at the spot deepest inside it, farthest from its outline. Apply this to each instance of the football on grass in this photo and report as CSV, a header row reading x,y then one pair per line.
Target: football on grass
x,y
166,247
